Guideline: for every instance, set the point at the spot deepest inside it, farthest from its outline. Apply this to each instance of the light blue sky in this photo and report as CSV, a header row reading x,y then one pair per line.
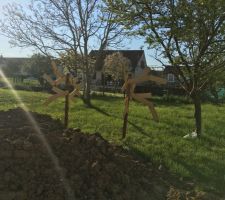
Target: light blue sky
x,y
7,51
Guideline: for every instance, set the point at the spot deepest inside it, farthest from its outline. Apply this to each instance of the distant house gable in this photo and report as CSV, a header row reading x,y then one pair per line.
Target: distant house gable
x,y
133,55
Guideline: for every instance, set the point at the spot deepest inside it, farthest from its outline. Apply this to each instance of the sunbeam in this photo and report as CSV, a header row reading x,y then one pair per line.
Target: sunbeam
x,y
41,136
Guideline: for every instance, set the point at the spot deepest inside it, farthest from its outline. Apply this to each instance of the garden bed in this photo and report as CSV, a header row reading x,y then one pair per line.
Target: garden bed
x,y
77,166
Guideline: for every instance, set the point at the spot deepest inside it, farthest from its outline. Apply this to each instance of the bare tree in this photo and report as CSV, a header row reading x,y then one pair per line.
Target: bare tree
x,y
56,26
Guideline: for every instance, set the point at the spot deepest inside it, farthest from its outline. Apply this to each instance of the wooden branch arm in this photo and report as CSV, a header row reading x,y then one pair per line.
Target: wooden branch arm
x,y
59,91
144,78
55,70
75,92
48,79
143,95
59,80
51,82
52,98
147,103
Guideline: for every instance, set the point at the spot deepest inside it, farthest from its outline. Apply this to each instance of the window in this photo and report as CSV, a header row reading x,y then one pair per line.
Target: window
x,y
171,78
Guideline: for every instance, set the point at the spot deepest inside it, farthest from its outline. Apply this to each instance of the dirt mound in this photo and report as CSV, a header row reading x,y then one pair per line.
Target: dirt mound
x,y
82,167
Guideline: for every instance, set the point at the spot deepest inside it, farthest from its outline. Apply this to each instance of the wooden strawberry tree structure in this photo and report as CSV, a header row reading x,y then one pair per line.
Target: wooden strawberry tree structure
x,y
71,89
128,88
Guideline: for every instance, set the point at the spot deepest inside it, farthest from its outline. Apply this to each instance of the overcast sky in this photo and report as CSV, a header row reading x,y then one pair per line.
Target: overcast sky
x,y
7,51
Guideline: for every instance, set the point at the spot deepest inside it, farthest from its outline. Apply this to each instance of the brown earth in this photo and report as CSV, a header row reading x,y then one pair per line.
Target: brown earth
x,y
89,167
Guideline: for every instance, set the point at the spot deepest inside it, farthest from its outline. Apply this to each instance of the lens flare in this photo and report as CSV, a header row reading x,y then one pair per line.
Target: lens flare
x,y
41,136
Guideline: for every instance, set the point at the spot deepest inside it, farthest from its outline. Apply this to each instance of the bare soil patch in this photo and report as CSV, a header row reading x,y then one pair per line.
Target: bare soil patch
x,y
90,167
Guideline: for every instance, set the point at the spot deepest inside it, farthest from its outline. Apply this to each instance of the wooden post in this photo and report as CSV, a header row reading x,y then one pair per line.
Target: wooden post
x,y
126,110
125,118
66,116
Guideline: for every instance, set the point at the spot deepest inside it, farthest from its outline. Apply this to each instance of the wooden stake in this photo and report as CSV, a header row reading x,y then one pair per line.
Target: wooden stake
x,y
66,116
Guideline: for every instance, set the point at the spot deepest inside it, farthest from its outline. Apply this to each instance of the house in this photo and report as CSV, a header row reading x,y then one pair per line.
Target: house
x,y
170,77
171,87
136,57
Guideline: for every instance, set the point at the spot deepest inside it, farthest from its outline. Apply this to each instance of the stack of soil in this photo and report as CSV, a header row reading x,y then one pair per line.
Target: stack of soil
x,y
81,167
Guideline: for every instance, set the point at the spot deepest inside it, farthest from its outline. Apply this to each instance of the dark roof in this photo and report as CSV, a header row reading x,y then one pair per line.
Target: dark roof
x,y
157,72
174,70
168,69
133,55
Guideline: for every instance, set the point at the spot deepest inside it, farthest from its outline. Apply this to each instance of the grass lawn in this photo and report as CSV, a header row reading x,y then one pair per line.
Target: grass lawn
x,y
201,160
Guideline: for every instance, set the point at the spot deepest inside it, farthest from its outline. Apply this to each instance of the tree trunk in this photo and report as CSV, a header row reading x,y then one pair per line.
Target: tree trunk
x,y
87,91
84,82
103,84
198,114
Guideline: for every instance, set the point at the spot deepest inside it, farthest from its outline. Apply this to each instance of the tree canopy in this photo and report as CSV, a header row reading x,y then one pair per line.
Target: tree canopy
x,y
37,66
14,66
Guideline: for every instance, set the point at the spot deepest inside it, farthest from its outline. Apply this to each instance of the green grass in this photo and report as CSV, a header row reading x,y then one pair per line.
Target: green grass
x,y
201,160
26,82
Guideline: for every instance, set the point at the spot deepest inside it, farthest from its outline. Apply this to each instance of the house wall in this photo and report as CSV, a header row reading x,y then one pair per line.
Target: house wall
x,y
139,68
172,81
98,75
171,78
97,78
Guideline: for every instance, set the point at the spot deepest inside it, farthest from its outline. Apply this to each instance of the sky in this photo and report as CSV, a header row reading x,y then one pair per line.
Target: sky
x,y
6,50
